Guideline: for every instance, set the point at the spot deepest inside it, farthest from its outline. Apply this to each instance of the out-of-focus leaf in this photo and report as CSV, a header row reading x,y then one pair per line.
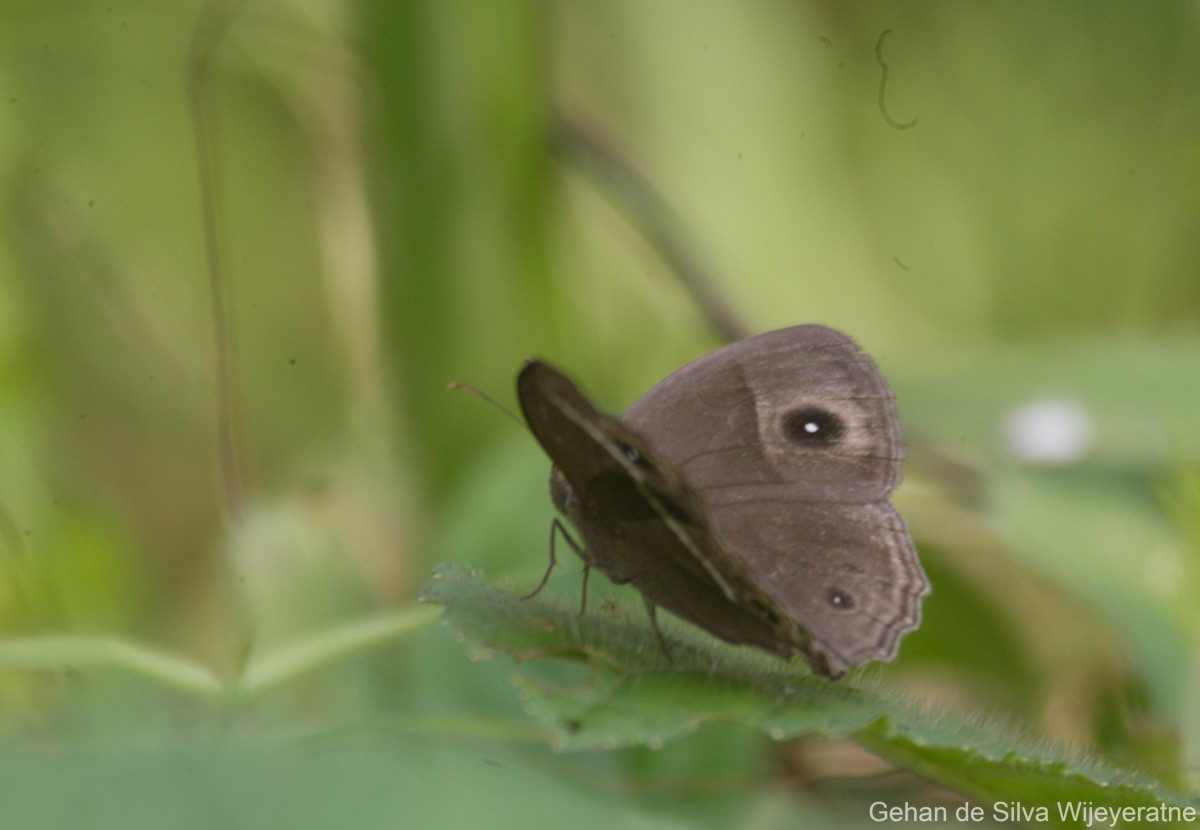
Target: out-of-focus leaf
x,y
300,783
1134,391
1099,525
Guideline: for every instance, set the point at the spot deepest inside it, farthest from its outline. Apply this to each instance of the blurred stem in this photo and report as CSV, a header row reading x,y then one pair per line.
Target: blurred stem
x,y
652,215
1183,503
466,215
1191,724
64,652
290,661
215,18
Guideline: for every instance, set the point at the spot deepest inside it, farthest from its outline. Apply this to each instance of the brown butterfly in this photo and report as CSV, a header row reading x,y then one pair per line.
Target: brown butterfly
x,y
746,493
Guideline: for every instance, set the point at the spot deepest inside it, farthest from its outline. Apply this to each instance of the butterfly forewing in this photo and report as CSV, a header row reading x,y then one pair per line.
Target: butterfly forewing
x,y
800,406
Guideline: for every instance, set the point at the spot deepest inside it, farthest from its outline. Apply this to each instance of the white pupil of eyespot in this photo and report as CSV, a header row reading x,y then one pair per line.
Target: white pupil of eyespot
x,y
811,427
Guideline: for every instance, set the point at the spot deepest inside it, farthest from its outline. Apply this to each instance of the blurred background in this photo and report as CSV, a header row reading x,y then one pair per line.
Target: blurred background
x,y
245,246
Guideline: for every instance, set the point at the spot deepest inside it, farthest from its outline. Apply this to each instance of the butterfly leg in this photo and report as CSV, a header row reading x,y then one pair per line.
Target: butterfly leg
x,y
587,569
652,610
556,527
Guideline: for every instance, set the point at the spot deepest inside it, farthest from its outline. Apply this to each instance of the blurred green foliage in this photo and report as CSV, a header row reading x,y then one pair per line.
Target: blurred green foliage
x,y
396,207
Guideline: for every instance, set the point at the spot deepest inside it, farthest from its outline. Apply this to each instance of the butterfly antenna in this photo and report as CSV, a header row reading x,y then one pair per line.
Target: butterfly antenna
x,y
486,398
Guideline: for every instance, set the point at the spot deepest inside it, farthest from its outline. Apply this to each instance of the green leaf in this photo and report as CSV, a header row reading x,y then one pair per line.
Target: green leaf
x,y
629,694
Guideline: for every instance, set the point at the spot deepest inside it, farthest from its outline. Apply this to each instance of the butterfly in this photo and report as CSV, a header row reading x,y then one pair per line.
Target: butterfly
x,y
747,493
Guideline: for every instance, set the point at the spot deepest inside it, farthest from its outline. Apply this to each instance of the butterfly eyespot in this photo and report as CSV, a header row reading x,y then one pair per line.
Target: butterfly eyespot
x,y
763,611
839,599
812,426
